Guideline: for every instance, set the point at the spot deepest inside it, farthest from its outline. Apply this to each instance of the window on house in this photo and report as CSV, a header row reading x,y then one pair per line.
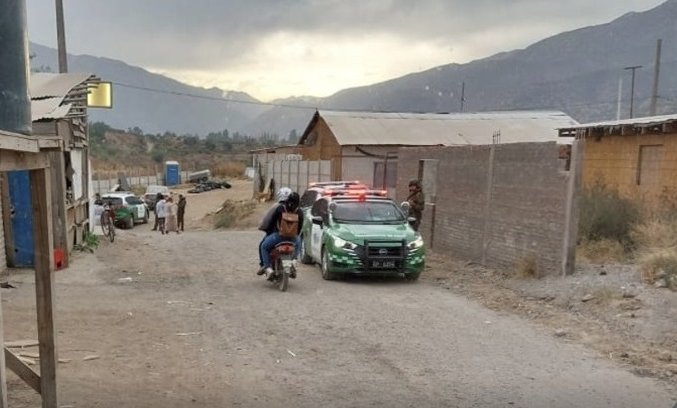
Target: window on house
x,y
649,165
388,172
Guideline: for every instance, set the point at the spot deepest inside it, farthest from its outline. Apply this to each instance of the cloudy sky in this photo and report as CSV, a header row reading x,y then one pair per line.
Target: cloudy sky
x,y
280,48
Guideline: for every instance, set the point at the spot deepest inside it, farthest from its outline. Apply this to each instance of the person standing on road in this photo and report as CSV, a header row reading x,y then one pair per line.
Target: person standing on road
x,y
160,212
181,213
171,211
158,197
416,202
291,205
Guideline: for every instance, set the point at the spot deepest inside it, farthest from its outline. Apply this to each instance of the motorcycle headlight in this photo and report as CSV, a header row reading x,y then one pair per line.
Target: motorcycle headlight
x,y
342,243
417,243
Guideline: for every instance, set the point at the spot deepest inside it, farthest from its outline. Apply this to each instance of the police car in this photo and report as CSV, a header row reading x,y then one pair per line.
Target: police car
x,y
361,233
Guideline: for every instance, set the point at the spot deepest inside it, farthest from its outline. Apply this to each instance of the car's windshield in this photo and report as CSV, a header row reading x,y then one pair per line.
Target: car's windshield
x,y
356,212
115,201
133,200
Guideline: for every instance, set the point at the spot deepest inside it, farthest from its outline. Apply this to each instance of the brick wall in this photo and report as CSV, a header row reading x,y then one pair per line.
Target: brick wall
x,y
494,205
614,162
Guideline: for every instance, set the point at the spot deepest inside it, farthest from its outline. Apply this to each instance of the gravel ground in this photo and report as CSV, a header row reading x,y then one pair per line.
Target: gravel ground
x,y
181,320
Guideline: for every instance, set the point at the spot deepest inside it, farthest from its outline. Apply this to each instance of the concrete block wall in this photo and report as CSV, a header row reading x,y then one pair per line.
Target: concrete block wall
x,y
493,207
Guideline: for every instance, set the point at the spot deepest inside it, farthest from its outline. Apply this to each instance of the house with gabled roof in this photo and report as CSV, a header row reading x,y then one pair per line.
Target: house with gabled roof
x,y
363,145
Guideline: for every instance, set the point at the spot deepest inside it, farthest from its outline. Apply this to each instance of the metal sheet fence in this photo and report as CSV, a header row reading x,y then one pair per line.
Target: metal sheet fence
x,y
104,183
295,174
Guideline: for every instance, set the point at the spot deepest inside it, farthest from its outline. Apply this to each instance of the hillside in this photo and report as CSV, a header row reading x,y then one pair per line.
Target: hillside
x,y
576,72
113,150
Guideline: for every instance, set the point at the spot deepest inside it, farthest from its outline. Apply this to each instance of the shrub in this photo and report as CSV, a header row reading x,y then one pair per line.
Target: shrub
x,y
659,264
89,243
606,215
656,233
601,251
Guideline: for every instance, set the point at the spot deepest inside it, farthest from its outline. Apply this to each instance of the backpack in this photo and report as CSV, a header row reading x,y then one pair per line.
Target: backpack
x,y
288,226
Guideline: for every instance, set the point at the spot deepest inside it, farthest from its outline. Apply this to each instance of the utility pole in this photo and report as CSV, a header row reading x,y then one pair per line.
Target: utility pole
x,y
15,104
462,96
656,72
61,37
620,96
632,86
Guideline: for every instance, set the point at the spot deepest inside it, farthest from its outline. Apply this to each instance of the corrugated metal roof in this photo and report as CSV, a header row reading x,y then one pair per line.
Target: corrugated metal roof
x,y
642,122
47,85
411,129
50,108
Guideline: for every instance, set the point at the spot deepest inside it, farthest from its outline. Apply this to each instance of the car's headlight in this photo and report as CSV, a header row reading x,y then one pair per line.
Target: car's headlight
x,y
417,243
342,243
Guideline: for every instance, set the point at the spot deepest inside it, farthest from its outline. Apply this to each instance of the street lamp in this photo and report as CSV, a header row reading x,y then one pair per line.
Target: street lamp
x,y
632,86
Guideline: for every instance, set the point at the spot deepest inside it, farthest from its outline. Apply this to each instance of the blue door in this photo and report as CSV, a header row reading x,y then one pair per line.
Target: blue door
x,y
22,217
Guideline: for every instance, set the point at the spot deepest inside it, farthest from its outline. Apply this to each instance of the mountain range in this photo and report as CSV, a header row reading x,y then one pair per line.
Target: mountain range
x,y
576,72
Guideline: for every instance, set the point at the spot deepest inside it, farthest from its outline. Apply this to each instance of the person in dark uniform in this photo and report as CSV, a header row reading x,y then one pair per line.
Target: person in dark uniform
x,y
416,202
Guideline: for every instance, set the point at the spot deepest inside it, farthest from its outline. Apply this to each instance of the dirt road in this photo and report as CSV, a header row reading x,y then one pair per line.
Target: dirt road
x,y
182,320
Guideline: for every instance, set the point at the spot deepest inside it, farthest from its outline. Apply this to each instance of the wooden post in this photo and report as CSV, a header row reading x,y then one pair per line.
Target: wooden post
x,y
572,209
3,374
44,283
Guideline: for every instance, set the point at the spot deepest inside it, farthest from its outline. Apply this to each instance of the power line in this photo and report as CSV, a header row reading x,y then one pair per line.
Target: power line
x,y
212,98
282,105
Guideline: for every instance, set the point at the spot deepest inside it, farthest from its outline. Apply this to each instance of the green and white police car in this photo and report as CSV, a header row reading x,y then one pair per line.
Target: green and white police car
x,y
363,235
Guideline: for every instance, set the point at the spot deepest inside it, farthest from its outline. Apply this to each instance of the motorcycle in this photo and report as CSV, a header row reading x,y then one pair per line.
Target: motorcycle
x,y
283,266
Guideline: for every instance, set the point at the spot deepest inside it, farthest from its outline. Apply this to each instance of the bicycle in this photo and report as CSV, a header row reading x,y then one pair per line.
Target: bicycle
x,y
108,222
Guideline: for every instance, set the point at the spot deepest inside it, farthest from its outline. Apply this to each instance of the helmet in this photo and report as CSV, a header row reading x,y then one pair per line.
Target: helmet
x,y
415,182
293,200
283,194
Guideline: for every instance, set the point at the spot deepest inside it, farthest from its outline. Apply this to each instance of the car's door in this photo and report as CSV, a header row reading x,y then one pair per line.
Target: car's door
x,y
136,205
319,208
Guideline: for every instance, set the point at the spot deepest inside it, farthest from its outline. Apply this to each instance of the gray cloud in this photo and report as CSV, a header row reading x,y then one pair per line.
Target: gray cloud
x,y
208,35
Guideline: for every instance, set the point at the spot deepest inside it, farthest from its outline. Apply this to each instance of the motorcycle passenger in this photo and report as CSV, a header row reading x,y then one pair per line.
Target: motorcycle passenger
x,y
266,224
290,205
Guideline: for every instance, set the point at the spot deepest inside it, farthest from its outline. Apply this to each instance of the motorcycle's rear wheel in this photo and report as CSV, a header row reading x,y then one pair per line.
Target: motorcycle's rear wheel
x,y
283,281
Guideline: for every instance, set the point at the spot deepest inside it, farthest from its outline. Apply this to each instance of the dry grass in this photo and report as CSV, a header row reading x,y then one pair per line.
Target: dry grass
x,y
655,233
605,295
527,267
659,264
657,250
230,169
601,251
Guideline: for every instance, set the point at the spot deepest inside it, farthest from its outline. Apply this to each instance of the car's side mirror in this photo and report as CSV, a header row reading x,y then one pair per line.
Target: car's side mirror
x,y
411,220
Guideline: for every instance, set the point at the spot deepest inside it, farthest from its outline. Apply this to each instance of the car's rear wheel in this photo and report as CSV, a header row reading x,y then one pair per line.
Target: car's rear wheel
x,y
326,274
145,217
412,277
305,259
129,224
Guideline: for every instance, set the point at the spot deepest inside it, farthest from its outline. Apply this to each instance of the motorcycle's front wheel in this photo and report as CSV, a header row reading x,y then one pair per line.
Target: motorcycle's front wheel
x,y
283,281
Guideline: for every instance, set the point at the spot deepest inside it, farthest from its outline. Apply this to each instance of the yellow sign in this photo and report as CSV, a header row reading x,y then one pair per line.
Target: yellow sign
x,y
100,95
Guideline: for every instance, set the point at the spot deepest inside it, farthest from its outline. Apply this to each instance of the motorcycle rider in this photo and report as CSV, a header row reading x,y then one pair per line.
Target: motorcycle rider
x,y
291,204
266,224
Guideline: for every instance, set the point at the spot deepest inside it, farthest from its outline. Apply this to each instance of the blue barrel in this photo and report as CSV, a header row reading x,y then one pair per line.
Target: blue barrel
x,y
172,173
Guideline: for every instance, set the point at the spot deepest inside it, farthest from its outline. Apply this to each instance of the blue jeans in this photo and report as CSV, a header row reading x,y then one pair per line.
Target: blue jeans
x,y
271,241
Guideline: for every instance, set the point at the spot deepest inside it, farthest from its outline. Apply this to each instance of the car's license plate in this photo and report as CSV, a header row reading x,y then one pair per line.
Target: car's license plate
x,y
383,264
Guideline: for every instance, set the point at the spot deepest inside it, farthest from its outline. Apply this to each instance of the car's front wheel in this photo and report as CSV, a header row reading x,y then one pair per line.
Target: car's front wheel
x,y
324,266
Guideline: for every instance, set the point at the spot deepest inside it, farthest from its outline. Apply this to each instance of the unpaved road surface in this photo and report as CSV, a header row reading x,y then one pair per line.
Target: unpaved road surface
x,y
182,321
